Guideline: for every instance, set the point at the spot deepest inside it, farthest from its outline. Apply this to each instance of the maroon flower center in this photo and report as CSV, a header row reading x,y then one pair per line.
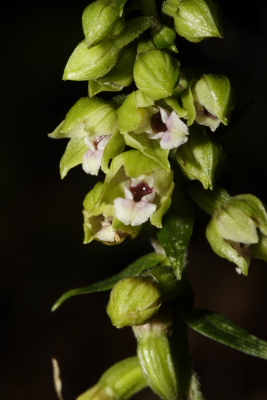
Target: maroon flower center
x,y
157,124
98,139
142,189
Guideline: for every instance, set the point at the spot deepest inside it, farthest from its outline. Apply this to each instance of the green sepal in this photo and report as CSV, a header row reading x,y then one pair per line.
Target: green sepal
x,y
114,147
164,185
120,76
176,232
73,155
201,157
164,38
173,103
99,116
120,382
150,148
94,62
135,164
221,329
141,264
102,20
133,111
93,198
214,93
170,7
196,20
156,73
188,103
225,248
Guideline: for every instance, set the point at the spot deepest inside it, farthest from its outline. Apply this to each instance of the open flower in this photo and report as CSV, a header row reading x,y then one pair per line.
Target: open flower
x,y
137,206
93,157
169,128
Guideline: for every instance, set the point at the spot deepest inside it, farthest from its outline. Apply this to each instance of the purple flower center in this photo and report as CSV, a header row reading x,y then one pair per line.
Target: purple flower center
x,y
157,124
142,189
98,139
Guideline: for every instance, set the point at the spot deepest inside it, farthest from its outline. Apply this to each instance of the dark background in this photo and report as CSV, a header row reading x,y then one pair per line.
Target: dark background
x,y
42,254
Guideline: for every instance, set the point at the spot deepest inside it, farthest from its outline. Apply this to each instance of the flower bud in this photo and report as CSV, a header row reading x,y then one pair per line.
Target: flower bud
x,y
163,356
195,20
134,301
94,62
234,228
164,38
120,382
120,76
156,73
201,157
102,20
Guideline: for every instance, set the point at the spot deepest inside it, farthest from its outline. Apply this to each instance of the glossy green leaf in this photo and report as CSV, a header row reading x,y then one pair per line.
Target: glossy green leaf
x,y
138,266
221,329
176,232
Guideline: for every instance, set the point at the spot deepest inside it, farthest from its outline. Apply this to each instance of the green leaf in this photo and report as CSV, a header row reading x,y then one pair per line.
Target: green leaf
x,y
176,232
138,266
219,328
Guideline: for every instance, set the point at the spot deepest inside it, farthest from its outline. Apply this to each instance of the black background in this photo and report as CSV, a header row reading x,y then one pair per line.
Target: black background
x,y
42,254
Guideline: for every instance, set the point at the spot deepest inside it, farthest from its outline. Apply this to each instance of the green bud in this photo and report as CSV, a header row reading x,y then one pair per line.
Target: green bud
x,y
201,157
164,37
120,76
134,301
196,20
156,73
94,62
120,382
102,20
163,356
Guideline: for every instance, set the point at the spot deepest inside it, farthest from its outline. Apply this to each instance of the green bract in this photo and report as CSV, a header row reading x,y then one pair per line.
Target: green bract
x,y
134,301
103,19
156,73
201,157
209,101
195,20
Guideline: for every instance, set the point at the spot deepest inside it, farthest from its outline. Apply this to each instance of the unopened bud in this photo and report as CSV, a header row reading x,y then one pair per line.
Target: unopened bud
x,y
156,73
102,20
134,301
196,20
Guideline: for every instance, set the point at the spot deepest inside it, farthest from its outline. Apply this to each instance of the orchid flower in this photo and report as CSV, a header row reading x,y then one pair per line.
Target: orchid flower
x,y
137,206
93,157
169,128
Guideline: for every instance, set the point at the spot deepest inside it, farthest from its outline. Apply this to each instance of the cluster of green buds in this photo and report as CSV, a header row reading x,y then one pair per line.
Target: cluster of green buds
x,y
155,123
149,142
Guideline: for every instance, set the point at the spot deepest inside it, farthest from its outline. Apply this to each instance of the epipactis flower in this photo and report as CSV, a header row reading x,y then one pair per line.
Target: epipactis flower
x,y
169,128
91,125
144,189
